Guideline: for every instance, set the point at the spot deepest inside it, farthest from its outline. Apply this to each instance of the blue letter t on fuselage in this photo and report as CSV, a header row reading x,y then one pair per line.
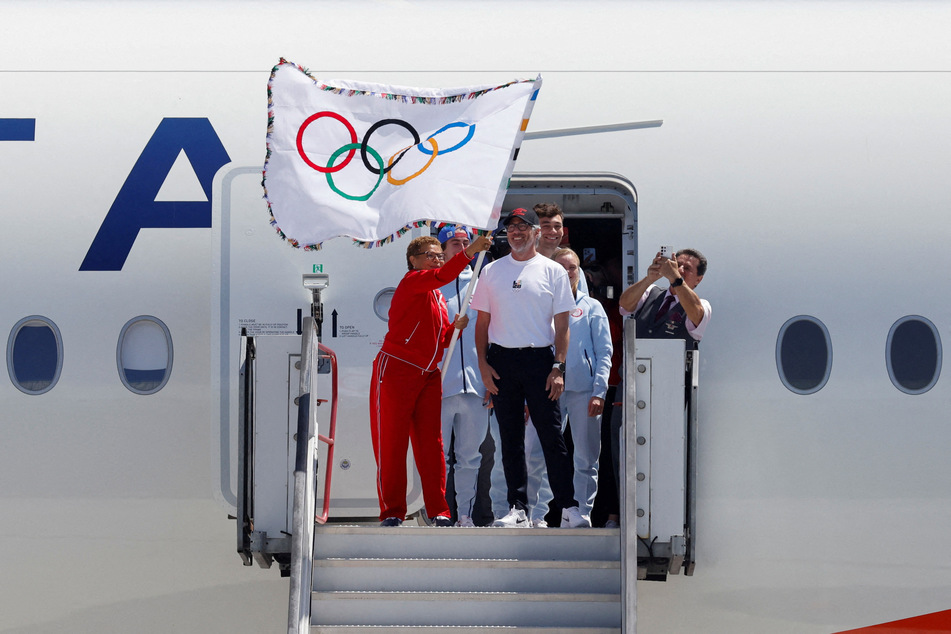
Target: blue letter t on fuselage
x,y
135,206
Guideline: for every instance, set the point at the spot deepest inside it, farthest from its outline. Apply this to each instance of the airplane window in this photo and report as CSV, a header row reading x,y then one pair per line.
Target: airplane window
x,y
381,303
913,354
804,354
144,355
34,355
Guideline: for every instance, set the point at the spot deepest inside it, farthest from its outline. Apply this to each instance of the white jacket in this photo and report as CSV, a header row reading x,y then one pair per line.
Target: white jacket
x,y
589,348
462,376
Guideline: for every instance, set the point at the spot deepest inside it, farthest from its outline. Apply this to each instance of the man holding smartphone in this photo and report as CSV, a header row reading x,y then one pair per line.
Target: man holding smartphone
x,y
676,312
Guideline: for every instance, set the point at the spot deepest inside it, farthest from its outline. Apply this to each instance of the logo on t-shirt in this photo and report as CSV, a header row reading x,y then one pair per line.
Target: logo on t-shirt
x,y
517,284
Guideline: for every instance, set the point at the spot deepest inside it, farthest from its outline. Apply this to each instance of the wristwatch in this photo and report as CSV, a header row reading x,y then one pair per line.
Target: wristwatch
x,y
559,366
677,282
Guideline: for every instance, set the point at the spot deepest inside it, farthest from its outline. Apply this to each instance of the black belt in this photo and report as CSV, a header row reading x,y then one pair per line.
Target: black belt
x,y
525,349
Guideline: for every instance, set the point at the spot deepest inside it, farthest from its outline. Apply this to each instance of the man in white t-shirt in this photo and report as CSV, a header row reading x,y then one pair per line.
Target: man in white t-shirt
x,y
521,335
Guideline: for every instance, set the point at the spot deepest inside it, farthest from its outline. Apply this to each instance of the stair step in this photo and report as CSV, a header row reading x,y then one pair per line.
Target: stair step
x,y
460,629
436,595
430,562
497,609
466,575
344,541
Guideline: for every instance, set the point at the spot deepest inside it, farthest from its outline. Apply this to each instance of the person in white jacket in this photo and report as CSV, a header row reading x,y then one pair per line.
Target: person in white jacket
x,y
586,381
466,413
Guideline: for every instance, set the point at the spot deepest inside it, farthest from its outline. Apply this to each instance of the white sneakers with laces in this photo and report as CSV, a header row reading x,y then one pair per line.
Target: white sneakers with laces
x,y
571,517
465,522
515,518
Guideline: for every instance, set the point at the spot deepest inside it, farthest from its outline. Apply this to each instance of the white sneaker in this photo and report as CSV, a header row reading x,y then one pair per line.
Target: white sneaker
x,y
539,524
516,518
465,521
571,517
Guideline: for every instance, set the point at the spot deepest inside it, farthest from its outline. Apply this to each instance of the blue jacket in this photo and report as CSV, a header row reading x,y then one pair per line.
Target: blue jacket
x,y
463,373
589,348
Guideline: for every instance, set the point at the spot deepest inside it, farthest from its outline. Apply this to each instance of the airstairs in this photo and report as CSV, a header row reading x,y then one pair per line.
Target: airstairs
x,y
466,579
348,577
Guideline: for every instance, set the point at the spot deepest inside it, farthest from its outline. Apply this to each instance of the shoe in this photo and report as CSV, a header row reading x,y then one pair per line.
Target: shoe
x,y
571,517
441,521
539,524
516,518
612,524
391,521
465,522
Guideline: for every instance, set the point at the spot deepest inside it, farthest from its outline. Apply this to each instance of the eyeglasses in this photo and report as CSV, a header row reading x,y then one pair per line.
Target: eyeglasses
x,y
433,256
519,226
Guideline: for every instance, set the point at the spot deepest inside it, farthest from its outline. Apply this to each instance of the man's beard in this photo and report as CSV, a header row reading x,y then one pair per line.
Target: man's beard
x,y
523,249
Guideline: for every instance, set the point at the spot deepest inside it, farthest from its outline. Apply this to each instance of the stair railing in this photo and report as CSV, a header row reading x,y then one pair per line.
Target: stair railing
x,y
628,485
327,353
305,475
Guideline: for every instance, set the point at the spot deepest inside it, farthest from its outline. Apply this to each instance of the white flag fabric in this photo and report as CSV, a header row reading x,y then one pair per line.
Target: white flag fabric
x,y
371,161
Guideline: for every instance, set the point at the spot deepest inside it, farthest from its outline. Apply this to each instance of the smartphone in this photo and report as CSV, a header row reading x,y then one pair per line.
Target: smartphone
x,y
667,251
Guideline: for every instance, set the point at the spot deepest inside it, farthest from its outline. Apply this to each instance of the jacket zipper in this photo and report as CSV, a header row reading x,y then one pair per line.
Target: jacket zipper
x,y
438,331
406,341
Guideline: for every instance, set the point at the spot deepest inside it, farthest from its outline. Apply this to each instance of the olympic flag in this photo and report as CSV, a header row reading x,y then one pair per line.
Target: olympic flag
x,y
370,161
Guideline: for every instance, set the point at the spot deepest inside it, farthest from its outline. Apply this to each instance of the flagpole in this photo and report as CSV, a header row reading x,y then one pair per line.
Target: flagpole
x,y
529,106
462,311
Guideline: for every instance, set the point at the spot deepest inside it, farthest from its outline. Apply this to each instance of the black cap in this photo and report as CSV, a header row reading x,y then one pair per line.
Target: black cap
x,y
526,215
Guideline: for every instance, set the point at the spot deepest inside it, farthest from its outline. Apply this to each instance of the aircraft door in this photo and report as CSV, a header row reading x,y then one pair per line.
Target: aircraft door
x,y
601,227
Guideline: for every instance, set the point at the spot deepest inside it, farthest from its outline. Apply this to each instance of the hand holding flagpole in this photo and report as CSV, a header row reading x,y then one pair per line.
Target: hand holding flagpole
x,y
482,244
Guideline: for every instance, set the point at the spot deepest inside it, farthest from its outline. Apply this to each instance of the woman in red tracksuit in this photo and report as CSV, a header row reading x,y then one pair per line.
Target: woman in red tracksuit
x,y
406,388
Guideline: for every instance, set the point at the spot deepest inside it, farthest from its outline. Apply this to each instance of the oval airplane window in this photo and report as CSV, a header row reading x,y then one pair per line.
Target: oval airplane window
x,y
804,354
913,354
144,355
381,303
34,355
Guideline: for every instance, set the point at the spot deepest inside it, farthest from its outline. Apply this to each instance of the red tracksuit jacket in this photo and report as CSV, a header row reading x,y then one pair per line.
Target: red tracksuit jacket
x,y
419,326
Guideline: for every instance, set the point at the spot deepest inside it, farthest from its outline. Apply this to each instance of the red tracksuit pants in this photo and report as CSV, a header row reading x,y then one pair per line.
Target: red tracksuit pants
x,y
405,405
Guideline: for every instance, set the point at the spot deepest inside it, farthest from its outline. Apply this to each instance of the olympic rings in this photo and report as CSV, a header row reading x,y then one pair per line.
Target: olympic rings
x,y
393,181
352,147
300,142
380,124
456,124
382,168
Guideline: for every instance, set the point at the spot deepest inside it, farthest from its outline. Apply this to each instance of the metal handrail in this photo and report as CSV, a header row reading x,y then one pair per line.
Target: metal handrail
x,y
693,428
305,475
628,484
331,433
302,536
245,502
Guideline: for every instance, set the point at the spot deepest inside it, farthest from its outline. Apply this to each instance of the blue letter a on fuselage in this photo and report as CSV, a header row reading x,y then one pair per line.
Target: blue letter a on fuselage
x,y
135,206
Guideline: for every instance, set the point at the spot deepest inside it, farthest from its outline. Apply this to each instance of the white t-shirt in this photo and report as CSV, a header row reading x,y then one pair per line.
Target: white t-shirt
x,y
522,298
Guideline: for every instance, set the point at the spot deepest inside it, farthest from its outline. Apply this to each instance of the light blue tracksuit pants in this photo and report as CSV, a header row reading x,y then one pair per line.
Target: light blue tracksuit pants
x,y
586,437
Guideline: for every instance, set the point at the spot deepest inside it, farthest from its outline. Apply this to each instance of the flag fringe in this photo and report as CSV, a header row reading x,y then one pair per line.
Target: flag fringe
x,y
415,99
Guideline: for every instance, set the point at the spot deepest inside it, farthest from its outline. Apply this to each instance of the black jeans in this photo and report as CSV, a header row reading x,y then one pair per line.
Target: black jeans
x,y
522,376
